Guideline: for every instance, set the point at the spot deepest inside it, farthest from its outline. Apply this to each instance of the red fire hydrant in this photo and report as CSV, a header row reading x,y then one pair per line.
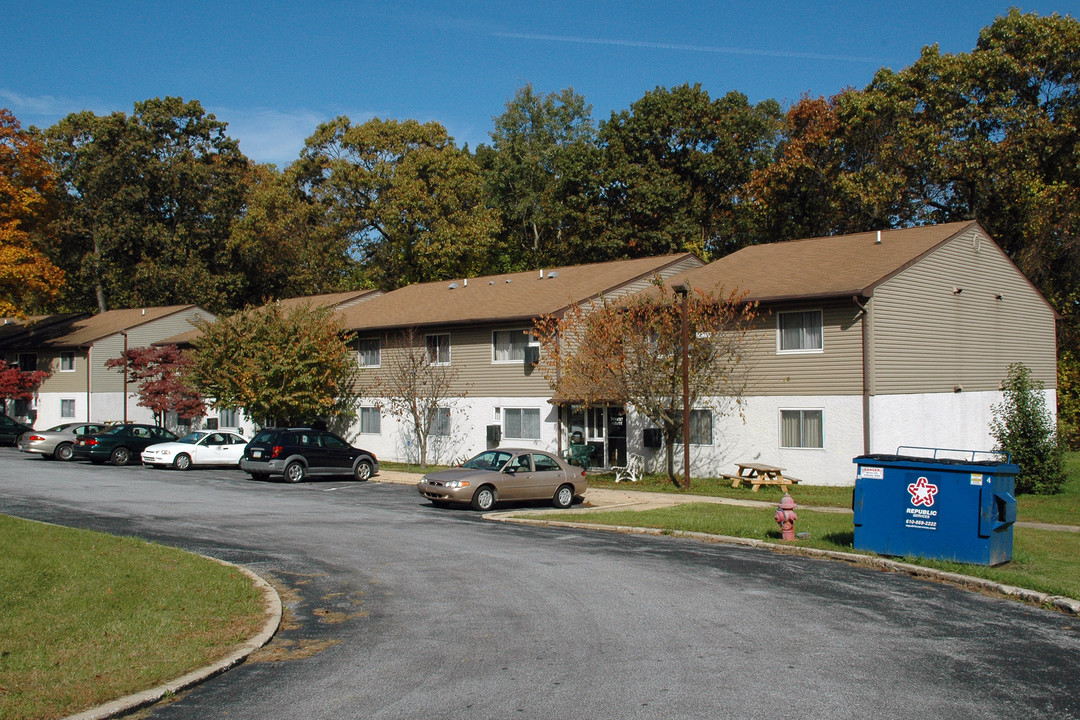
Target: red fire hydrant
x,y
785,517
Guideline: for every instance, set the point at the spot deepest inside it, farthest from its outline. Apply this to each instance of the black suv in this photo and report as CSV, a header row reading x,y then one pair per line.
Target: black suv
x,y
11,429
294,453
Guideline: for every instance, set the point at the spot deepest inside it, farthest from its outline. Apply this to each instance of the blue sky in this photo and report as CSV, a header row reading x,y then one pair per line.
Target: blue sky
x,y
275,70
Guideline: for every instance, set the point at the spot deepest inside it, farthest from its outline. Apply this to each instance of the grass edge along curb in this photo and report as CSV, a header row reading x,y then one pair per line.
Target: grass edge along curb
x,y
143,698
1034,597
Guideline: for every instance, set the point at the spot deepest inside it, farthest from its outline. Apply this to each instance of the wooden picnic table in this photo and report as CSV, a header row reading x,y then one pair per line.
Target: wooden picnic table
x,y
758,474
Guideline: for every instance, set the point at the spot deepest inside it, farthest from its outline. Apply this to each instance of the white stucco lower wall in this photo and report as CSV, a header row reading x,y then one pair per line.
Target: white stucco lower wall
x,y
469,418
755,437
104,407
944,420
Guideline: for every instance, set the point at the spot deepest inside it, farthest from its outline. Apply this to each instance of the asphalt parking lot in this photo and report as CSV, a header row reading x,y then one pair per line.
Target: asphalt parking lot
x,y
398,609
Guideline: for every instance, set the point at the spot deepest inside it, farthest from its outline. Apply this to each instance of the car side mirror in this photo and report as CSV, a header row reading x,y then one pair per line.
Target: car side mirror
x,y
509,470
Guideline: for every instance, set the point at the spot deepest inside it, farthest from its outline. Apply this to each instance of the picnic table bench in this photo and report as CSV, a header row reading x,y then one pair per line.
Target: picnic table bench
x,y
757,474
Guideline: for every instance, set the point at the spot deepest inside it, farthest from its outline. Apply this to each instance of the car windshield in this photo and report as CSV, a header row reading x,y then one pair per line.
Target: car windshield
x,y
265,436
490,460
191,438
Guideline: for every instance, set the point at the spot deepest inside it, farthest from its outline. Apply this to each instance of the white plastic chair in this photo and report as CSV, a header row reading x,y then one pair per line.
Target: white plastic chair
x,y
632,471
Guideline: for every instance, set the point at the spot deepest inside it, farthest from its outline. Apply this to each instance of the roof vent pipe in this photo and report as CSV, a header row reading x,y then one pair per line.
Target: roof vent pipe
x,y
466,280
878,241
541,273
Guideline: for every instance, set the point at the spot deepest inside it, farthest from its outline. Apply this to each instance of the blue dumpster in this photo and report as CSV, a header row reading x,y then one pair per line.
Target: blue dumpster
x,y
932,506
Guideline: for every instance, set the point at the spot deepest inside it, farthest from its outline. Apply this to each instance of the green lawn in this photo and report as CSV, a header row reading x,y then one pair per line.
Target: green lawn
x,y
89,617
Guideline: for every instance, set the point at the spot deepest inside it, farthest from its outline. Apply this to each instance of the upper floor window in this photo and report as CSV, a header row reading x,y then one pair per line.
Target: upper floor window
x,y
369,352
509,345
27,362
438,348
67,361
799,332
802,429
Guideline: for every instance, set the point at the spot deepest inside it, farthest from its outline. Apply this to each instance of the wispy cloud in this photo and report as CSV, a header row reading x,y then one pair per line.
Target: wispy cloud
x,y
689,48
31,108
269,135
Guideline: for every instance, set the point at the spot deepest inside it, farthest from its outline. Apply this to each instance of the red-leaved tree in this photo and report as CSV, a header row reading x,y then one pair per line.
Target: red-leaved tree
x,y
16,384
161,375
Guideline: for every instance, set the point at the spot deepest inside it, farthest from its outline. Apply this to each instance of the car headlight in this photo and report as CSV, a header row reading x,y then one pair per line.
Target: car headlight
x,y
457,484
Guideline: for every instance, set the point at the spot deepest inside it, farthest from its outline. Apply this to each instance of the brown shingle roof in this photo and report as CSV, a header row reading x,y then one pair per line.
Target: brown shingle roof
x,y
71,331
837,266
496,298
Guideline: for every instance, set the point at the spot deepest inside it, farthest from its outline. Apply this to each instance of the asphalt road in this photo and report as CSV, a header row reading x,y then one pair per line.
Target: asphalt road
x,y
402,610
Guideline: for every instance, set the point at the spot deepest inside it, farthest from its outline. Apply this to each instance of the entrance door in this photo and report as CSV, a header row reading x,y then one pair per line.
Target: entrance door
x,y
616,435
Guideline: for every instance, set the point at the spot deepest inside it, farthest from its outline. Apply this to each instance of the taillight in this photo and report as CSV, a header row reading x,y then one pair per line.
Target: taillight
x,y
89,441
34,438
276,451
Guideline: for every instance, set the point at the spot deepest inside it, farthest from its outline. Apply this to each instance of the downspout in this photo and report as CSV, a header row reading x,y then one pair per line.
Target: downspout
x,y
125,356
867,370
89,380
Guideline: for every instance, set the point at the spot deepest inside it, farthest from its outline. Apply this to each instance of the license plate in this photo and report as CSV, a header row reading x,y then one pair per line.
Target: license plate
x,y
256,453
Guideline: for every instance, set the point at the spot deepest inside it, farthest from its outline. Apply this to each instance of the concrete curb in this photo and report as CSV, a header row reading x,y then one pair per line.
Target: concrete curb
x,y
1056,602
137,700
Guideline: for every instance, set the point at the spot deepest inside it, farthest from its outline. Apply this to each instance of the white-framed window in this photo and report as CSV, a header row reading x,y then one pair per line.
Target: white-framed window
x,y
799,332
370,421
701,427
228,418
438,348
440,423
67,408
67,361
508,346
802,429
522,423
369,352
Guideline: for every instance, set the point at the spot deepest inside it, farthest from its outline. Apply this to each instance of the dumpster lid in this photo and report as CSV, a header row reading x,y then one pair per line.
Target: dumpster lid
x,y
944,456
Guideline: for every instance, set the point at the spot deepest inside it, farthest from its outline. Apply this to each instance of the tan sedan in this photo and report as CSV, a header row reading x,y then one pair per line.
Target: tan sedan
x,y
505,474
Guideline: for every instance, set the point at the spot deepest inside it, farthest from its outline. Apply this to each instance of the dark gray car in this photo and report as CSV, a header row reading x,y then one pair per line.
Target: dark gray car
x,y
295,453
56,442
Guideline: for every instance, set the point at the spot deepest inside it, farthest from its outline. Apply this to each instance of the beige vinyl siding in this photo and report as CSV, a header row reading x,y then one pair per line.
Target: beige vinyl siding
x,y
476,375
105,380
928,338
63,382
836,370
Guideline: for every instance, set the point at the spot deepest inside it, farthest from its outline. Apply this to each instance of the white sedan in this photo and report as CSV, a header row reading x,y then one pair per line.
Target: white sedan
x,y
202,447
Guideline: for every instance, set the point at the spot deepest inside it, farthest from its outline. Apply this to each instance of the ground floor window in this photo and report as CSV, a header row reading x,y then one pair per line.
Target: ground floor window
x,y
522,423
440,423
801,429
228,418
701,427
370,421
67,408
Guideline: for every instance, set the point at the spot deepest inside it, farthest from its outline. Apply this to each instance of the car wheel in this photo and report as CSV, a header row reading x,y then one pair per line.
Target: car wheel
x,y
484,499
120,456
294,472
564,497
362,471
182,462
63,451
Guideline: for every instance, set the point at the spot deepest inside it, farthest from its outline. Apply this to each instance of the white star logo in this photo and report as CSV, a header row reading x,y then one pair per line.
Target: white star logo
x,y
922,492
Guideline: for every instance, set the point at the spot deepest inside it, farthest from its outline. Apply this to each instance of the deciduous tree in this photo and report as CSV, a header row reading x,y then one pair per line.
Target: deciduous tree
x,y
149,199
631,351
161,373
416,388
276,365
28,279
411,202
674,168
539,172
18,384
